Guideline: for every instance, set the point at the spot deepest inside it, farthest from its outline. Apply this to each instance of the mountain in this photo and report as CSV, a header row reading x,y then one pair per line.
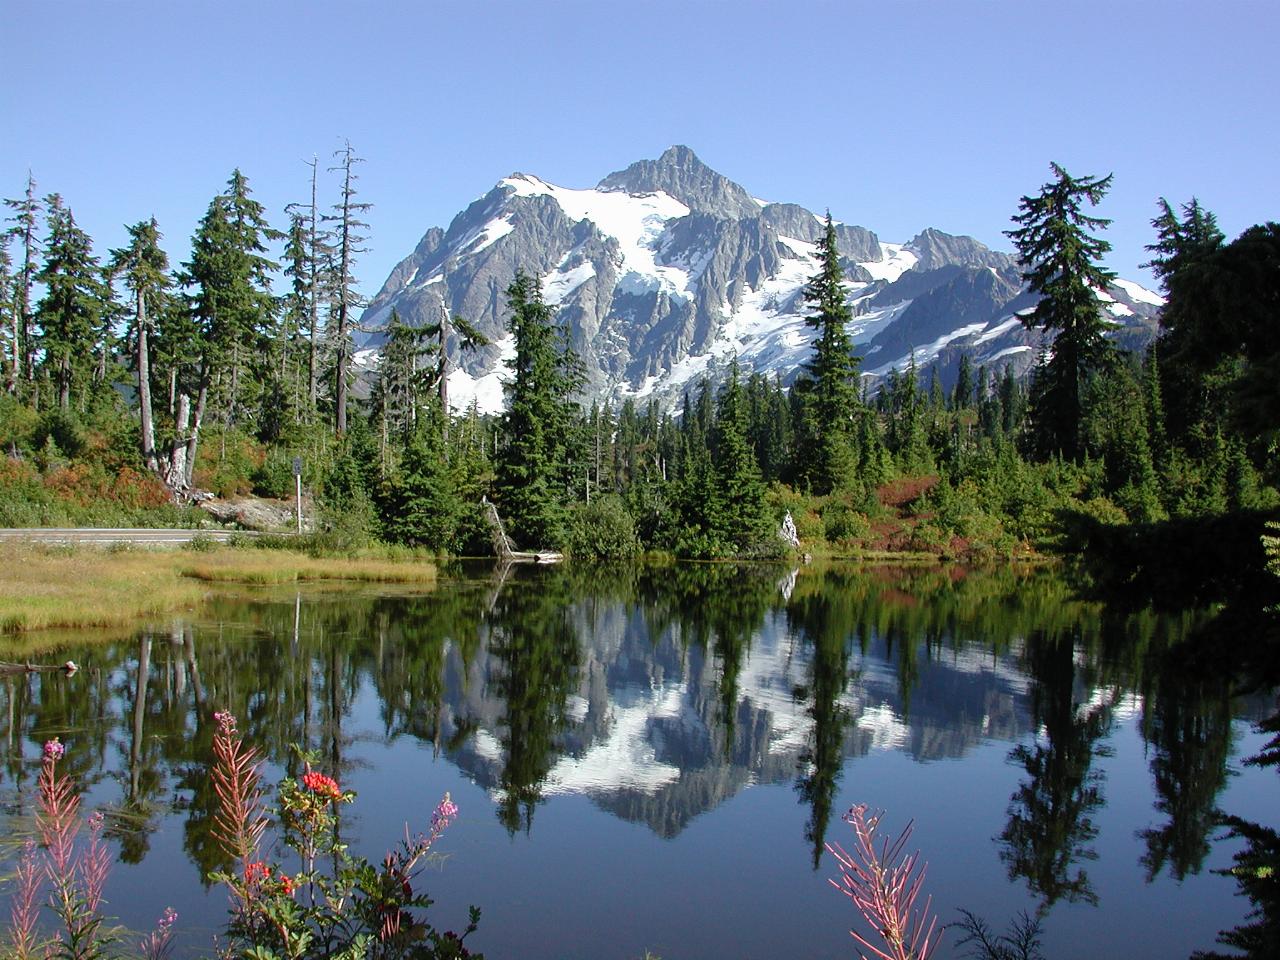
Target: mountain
x,y
665,271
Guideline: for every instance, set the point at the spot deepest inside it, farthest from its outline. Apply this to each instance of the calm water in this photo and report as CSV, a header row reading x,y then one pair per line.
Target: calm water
x,y
652,758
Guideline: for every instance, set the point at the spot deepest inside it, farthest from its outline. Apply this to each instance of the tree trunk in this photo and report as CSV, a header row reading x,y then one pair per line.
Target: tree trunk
x,y
177,478
194,440
341,388
444,371
144,389
313,293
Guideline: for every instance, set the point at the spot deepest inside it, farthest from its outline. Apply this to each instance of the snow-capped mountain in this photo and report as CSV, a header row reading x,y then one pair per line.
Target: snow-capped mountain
x,y
665,271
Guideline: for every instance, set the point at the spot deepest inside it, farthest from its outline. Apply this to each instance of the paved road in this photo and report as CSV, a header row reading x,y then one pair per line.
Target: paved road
x,y
139,535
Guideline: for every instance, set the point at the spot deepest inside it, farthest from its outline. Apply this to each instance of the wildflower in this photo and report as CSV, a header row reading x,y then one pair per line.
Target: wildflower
x,y
321,785
286,884
53,749
168,918
256,872
444,813
226,721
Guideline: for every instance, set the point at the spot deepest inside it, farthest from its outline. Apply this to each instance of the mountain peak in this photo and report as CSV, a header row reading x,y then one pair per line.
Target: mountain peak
x,y
681,175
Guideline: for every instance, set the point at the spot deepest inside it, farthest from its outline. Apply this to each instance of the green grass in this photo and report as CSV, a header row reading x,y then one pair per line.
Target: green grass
x,y
58,587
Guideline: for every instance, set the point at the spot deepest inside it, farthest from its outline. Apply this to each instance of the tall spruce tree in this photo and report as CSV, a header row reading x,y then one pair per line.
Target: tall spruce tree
x,y
145,269
73,304
532,468
827,454
1060,258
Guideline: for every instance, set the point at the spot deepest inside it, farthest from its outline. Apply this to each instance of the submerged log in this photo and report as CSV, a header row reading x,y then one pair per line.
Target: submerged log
x,y
7,669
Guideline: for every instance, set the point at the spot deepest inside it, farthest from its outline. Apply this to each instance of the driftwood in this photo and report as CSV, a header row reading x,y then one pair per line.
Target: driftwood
x,y
504,547
7,669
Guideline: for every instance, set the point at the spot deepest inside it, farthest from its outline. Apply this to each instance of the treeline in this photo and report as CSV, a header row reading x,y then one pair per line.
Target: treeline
x,y
201,377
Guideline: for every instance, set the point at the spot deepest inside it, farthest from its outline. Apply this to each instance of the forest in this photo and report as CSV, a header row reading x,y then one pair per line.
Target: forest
x,y
131,382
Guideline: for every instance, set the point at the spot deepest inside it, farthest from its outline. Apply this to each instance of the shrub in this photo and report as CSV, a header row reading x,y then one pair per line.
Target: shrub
x,y
603,528
274,476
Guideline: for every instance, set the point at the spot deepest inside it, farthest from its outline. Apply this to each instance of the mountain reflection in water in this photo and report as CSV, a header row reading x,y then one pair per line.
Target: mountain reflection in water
x,y
659,694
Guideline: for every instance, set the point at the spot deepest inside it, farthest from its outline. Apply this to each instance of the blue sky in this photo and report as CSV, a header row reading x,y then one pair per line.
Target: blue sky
x,y
895,115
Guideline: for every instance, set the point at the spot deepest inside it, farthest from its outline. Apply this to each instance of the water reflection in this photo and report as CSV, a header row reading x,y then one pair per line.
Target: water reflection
x,y
659,693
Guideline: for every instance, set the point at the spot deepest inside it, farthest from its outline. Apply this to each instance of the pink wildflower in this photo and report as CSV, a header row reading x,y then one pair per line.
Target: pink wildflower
x,y
444,814
53,749
226,721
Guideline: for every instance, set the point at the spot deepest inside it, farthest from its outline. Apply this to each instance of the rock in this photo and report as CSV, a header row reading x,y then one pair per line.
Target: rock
x,y
252,513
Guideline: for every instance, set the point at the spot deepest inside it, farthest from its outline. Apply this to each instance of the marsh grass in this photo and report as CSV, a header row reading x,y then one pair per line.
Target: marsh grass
x,y
75,588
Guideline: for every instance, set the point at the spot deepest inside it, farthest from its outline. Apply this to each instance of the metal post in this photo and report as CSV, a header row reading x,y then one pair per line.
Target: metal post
x,y
297,483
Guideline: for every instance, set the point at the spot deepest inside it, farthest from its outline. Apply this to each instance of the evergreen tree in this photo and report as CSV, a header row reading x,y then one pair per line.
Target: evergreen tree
x,y
1195,375
1060,262
308,254
347,237
532,467
10,324
231,307
962,395
401,377
826,451
744,521
75,299
145,269
25,220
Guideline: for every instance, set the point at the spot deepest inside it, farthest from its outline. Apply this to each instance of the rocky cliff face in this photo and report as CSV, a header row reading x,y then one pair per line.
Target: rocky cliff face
x,y
665,271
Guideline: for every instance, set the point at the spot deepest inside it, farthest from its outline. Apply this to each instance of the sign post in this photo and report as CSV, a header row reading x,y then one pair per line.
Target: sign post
x,y
297,484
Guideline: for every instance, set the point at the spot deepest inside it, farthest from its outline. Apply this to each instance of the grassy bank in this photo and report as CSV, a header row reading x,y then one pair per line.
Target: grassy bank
x,y
44,587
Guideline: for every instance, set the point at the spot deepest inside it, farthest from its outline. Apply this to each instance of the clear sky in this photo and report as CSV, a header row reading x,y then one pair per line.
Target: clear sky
x,y
895,115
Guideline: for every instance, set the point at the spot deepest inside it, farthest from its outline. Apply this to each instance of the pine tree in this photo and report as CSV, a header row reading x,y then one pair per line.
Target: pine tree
x,y
74,301
826,451
1060,262
347,237
145,269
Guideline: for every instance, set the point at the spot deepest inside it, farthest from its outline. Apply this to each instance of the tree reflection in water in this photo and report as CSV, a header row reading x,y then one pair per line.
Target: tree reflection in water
x,y
727,675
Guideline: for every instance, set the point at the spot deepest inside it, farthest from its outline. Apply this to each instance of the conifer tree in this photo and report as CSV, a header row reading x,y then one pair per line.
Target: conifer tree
x,y
25,220
532,467
347,239
1060,262
145,269
744,521
962,395
231,306
1194,371
826,454
308,253
10,354
73,303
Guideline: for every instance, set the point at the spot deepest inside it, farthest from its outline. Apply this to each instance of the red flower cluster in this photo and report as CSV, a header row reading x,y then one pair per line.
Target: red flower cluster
x,y
256,872
321,785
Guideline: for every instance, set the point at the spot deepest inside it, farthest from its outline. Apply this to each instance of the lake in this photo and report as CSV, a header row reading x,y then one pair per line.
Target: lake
x,y
651,757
